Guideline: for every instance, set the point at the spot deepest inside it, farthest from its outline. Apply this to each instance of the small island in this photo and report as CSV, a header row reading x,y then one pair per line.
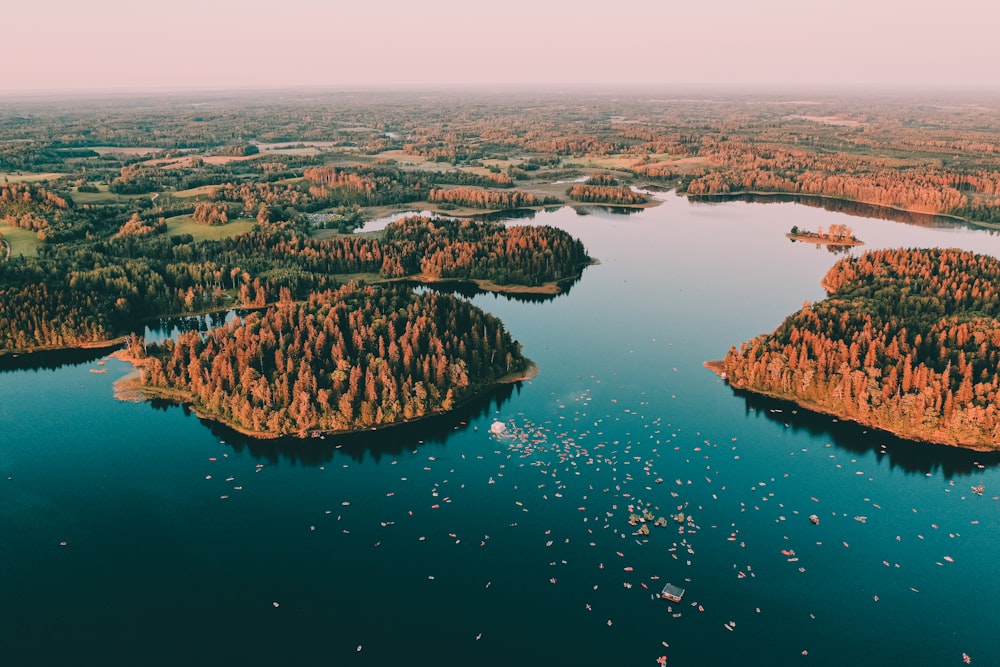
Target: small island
x,y
908,341
835,235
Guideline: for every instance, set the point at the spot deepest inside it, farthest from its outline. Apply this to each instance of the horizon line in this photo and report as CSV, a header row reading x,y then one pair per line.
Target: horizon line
x,y
550,88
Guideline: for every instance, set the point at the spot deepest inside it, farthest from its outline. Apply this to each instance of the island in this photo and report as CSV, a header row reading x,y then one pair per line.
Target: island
x,y
355,358
908,341
835,235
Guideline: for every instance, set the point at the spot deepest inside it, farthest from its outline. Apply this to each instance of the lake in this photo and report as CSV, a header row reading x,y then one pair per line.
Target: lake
x,y
136,534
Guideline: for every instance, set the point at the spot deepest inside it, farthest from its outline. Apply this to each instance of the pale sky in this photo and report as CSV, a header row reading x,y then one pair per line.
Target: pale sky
x,y
96,45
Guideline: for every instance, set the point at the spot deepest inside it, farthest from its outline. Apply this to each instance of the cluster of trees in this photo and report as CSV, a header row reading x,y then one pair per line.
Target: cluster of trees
x,y
605,194
661,171
238,150
330,177
31,207
602,179
210,213
488,199
908,341
466,249
23,197
354,358
136,226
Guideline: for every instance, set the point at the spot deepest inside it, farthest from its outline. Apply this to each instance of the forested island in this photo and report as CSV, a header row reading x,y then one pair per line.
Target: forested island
x,y
908,341
344,360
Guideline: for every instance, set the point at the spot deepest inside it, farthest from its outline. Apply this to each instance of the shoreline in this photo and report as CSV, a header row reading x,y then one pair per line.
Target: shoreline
x,y
90,345
130,388
783,193
551,288
717,368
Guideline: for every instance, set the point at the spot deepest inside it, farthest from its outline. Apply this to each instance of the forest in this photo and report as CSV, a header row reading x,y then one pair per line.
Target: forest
x,y
88,293
908,341
115,212
358,357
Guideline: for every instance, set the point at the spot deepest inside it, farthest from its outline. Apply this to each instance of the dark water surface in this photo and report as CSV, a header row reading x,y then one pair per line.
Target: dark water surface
x,y
441,544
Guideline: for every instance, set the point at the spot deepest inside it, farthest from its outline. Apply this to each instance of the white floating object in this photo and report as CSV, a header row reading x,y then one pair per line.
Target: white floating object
x,y
497,428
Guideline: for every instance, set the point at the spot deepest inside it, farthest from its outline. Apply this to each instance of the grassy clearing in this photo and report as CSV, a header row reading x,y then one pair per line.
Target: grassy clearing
x,y
22,241
202,191
346,157
226,159
604,162
100,197
125,150
20,177
360,277
185,224
414,162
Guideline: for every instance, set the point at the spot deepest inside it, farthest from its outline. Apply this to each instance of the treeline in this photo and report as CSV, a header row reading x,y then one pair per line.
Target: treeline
x,y
908,341
744,167
605,194
465,249
456,177
354,358
488,199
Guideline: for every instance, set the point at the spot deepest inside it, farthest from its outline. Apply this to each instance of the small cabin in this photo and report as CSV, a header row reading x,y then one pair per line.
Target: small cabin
x,y
672,593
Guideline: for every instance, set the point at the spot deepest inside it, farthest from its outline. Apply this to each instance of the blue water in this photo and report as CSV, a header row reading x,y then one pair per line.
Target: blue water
x,y
442,544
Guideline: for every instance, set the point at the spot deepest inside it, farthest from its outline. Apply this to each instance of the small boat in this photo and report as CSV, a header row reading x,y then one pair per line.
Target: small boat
x,y
814,519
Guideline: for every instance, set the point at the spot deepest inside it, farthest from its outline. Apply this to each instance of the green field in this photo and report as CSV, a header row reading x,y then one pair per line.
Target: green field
x,y
185,224
25,178
22,241
99,197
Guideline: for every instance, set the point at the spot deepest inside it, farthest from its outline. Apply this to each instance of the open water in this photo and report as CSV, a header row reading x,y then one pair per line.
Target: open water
x,y
135,534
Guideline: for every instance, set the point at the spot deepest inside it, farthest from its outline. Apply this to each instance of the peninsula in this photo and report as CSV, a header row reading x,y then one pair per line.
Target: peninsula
x,y
908,341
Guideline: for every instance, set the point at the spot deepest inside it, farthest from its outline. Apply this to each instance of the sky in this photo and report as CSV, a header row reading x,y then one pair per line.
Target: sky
x,y
125,45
